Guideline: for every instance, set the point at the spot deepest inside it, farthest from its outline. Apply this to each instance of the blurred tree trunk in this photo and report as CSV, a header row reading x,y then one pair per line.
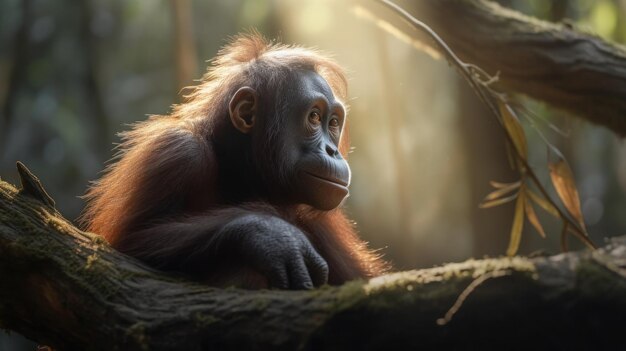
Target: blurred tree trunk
x,y
186,57
69,289
552,62
401,243
17,75
102,131
485,159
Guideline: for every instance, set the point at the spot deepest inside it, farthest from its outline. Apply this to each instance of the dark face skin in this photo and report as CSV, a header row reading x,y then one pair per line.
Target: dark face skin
x,y
321,174
311,127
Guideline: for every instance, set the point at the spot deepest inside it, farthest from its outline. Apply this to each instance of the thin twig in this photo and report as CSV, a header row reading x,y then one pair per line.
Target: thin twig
x,y
487,95
468,290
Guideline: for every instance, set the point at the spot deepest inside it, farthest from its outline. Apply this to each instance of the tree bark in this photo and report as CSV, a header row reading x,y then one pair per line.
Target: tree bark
x,y
68,289
552,62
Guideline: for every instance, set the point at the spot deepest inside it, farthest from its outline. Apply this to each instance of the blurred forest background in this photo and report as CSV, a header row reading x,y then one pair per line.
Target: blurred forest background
x,y
73,74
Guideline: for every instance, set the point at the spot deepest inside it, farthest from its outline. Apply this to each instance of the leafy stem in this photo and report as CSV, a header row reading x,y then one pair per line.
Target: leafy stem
x,y
480,82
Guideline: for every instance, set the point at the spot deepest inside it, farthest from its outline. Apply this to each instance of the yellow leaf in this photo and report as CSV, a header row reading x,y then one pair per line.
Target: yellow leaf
x,y
543,203
502,191
518,225
532,217
563,181
514,129
498,202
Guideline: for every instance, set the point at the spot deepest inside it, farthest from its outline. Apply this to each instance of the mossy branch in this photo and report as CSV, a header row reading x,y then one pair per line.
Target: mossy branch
x,y
68,289
557,63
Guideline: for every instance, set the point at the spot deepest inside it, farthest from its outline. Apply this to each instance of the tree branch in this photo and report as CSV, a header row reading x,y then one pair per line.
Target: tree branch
x,y
553,62
68,289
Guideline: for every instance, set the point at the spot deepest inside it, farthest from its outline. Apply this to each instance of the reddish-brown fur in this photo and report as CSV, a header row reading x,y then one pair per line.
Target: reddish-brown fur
x,y
166,173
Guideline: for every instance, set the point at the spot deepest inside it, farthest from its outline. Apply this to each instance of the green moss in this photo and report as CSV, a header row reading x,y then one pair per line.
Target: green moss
x,y
442,284
260,303
204,320
470,269
98,240
349,294
7,188
594,278
90,260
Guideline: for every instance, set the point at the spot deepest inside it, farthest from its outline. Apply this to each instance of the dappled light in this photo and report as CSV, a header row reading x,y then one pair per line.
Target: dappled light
x,y
409,194
479,150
